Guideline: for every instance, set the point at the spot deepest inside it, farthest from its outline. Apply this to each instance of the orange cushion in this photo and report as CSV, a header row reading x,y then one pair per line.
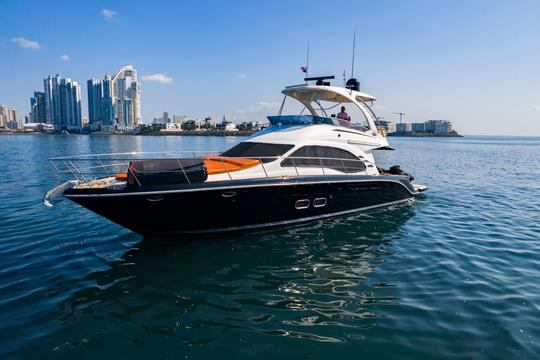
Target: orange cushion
x,y
221,165
121,176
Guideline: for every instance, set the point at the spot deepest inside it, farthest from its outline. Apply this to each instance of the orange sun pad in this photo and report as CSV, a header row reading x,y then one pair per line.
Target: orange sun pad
x,y
220,165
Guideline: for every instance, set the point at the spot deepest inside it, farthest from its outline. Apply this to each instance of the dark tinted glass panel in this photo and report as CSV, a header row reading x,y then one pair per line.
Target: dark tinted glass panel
x,y
254,150
324,156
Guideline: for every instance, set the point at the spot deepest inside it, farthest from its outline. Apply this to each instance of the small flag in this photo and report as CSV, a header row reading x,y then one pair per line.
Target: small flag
x,y
304,69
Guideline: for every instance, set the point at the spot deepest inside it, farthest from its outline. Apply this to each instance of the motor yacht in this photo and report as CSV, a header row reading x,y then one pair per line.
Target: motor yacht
x,y
304,167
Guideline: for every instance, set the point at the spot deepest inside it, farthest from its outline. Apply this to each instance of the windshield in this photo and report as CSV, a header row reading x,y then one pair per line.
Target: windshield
x,y
348,114
256,150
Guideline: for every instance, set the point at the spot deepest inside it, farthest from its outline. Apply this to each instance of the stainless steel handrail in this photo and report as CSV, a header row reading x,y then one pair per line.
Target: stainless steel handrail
x,y
98,166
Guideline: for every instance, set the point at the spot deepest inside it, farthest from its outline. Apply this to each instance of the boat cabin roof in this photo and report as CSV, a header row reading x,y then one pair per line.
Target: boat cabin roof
x,y
307,93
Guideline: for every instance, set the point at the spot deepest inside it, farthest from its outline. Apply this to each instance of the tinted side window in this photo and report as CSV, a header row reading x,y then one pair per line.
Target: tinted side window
x,y
254,150
324,156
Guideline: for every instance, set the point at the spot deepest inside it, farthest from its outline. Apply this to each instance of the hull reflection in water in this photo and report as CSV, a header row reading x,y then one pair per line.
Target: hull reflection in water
x,y
305,282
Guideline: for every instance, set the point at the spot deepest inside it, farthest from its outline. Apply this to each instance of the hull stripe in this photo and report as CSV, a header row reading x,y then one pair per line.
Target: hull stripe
x,y
233,187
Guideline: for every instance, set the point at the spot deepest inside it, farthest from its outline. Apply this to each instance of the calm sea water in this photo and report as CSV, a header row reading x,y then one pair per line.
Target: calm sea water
x,y
454,275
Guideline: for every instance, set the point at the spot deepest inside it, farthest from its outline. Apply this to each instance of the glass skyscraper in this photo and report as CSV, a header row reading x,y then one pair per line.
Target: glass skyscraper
x,y
62,103
100,104
95,94
37,108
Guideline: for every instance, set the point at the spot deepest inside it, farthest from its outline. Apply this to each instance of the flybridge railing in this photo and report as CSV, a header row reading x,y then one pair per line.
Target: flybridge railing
x,y
86,168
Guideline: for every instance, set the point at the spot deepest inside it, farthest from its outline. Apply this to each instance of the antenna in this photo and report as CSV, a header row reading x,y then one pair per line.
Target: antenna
x,y
307,60
353,50
352,83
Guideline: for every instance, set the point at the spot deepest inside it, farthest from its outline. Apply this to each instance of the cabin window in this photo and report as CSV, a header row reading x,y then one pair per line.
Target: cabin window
x,y
324,156
258,150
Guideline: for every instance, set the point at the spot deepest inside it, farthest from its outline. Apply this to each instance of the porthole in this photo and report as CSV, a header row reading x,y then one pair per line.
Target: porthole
x,y
319,202
301,204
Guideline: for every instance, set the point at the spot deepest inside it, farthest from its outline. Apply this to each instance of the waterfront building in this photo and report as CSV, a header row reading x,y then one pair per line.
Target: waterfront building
x,y
40,127
210,123
12,125
227,126
165,119
95,94
3,116
101,109
126,92
52,100
70,105
171,126
418,127
9,118
438,126
178,119
192,124
12,115
13,121
403,127
107,105
37,108
124,111
62,99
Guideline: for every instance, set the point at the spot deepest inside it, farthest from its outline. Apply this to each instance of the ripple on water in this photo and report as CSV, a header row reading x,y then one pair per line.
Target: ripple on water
x,y
454,275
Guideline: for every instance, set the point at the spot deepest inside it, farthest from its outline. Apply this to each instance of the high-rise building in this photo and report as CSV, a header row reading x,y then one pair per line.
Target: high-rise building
x,y
52,100
70,105
12,119
62,103
3,116
438,126
124,111
418,127
37,108
178,119
95,94
165,119
12,115
101,110
107,104
126,94
403,127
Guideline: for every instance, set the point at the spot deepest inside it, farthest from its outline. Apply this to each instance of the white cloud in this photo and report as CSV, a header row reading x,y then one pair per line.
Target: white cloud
x,y
25,43
109,14
65,57
535,108
258,111
241,76
157,77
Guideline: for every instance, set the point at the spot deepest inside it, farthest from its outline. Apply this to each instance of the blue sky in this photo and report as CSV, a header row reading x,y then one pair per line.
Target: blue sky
x,y
476,63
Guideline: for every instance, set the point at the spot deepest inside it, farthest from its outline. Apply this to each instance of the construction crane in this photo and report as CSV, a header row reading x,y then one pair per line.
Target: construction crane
x,y
401,115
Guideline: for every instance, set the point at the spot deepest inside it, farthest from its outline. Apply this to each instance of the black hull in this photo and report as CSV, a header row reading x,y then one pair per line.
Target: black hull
x,y
243,204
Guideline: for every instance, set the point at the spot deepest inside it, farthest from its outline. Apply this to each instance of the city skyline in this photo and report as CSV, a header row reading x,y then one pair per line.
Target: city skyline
x,y
428,60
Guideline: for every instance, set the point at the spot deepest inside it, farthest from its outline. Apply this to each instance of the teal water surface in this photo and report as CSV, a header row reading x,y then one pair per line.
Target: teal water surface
x,y
454,275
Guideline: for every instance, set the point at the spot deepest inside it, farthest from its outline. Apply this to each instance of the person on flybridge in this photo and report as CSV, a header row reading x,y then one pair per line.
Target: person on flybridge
x,y
343,114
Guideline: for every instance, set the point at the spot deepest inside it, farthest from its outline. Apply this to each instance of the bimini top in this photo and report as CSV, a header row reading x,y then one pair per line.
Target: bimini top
x,y
307,93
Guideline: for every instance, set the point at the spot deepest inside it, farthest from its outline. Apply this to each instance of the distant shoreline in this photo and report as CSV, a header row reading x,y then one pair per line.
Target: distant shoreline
x,y
424,135
200,133
153,133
